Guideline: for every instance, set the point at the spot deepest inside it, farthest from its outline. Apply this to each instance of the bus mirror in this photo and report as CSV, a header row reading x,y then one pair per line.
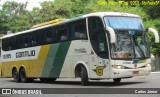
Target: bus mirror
x,y
112,34
155,34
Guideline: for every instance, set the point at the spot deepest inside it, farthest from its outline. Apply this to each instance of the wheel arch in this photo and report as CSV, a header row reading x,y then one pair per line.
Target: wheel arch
x,y
15,67
77,68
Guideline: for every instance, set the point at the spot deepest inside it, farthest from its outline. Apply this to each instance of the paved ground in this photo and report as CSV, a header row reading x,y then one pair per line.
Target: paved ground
x,y
151,81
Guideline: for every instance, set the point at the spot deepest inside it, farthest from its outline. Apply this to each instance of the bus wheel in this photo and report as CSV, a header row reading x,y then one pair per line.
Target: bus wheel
x,y
23,76
84,76
117,80
15,75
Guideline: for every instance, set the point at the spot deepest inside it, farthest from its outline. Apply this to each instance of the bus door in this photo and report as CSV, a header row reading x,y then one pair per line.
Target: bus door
x,y
99,57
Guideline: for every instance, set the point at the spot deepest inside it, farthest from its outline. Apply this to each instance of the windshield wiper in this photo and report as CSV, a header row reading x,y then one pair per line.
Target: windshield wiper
x,y
141,51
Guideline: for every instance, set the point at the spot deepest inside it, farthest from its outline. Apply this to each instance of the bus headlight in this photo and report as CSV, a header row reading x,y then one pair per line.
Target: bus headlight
x,y
118,66
148,65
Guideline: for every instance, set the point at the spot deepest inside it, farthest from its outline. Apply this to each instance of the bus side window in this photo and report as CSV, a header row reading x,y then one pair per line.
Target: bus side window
x,y
38,38
63,33
49,35
26,40
41,37
21,41
79,29
5,44
34,40
55,35
11,45
16,42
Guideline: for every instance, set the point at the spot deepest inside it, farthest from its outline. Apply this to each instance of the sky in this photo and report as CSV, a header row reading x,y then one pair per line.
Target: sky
x,y
31,3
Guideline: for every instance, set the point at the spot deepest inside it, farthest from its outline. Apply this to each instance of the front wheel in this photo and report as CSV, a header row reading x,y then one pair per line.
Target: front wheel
x,y
117,80
84,76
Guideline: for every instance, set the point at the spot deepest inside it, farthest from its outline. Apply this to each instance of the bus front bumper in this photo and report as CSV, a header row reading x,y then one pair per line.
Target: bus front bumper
x,y
126,73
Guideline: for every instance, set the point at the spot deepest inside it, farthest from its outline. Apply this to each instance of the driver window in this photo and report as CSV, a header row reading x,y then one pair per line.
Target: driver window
x,y
98,36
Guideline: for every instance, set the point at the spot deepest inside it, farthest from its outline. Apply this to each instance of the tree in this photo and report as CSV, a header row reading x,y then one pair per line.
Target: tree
x,y
14,16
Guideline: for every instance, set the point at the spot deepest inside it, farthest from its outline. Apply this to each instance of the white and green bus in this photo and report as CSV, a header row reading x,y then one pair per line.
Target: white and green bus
x,y
102,45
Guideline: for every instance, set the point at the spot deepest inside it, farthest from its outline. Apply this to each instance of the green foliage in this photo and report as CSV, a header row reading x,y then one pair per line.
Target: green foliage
x,y
13,17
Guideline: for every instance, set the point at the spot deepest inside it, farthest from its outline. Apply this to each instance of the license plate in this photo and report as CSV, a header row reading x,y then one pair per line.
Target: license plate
x,y
135,72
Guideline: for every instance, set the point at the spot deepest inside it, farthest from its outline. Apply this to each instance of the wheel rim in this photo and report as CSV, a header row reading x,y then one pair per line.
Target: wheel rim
x,y
15,74
23,75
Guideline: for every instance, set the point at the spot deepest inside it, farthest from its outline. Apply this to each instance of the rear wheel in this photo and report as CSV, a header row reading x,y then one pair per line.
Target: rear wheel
x,y
23,75
15,75
117,80
84,76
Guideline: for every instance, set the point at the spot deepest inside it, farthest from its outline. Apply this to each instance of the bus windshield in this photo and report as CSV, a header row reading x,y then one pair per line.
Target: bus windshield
x,y
124,23
132,41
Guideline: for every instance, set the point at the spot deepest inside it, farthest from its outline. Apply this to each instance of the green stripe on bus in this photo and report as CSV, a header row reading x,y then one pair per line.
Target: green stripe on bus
x,y
49,60
59,60
55,59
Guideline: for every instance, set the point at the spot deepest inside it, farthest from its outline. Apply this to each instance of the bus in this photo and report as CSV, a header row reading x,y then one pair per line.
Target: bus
x,y
95,46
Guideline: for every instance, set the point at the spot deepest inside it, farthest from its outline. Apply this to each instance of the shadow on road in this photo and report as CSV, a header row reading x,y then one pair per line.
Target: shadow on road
x,y
111,84
97,83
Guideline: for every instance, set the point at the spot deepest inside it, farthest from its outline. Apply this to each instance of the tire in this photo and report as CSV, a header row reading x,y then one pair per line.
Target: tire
x,y
117,80
15,75
84,76
23,75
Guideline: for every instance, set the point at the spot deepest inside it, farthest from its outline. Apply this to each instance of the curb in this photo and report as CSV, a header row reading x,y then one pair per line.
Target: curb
x,y
155,72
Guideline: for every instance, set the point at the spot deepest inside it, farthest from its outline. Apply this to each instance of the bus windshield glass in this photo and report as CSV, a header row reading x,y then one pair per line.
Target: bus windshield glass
x,y
124,23
132,41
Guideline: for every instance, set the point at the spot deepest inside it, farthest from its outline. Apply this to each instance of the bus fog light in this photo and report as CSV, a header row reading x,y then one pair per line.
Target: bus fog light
x,y
118,67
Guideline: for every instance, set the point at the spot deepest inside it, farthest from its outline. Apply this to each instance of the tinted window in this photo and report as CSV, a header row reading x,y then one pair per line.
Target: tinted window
x,y
98,37
79,29
63,33
4,44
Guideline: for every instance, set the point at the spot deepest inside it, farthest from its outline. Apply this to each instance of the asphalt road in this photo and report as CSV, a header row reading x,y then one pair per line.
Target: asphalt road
x,y
151,81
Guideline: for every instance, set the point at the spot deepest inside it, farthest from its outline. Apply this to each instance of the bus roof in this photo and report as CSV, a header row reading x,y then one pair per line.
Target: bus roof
x,y
56,21
102,14
63,21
